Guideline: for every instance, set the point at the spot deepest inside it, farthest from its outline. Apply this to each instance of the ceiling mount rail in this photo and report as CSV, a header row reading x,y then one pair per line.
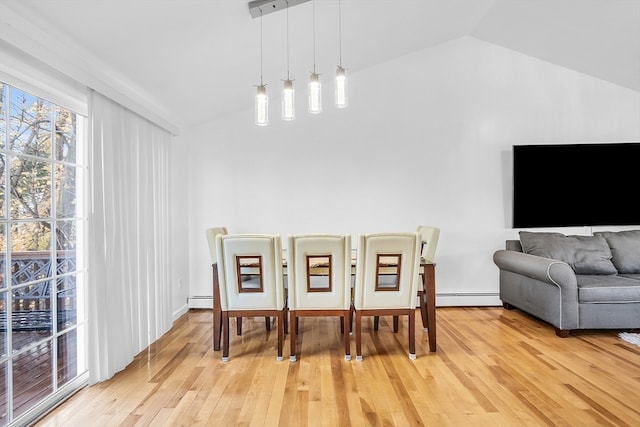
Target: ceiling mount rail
x,y
269,6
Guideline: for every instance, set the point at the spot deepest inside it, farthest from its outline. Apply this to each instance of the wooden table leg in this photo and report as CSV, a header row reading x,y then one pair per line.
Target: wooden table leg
x,y
217,310
429,283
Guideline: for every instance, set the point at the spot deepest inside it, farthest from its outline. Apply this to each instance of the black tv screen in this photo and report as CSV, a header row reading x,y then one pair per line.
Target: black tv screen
x,y
563,185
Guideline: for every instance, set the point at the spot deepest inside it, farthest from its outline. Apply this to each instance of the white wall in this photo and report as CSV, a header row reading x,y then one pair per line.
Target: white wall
x,y
426,140
179,227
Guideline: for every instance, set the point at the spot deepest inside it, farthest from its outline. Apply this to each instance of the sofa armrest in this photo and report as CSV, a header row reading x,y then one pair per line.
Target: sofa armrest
x,y
546,288
547,270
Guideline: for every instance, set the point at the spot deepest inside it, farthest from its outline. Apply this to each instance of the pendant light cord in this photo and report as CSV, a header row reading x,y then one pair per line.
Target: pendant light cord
x,y
288,40
340,32
314,35
261,33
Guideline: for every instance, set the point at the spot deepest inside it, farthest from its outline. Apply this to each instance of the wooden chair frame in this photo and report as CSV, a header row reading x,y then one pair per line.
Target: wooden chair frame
x,y
239,314
238,263
327,269
294,315
411,313
382,267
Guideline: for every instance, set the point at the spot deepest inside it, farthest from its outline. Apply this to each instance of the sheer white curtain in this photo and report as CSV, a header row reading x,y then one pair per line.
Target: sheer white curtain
x,y
129,293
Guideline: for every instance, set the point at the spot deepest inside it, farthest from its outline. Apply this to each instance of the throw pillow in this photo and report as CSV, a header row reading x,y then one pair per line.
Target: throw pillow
x,y
625,248
585,254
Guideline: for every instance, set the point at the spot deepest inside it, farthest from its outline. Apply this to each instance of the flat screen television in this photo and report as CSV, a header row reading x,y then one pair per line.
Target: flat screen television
x,y
562,185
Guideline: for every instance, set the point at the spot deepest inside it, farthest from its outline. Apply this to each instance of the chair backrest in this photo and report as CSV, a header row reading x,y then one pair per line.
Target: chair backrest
x,y
387,270
319,271
250,271
211,240
429,236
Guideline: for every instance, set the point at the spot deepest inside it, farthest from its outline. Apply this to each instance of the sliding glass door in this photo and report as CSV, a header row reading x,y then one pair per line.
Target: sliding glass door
x,y
42,317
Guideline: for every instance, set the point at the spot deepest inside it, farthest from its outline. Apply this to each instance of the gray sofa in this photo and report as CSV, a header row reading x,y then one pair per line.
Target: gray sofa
x,y
573,282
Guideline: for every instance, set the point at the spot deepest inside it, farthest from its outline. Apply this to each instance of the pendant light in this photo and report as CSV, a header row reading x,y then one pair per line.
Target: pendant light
x,y
262,100
315,87
341,77
288,94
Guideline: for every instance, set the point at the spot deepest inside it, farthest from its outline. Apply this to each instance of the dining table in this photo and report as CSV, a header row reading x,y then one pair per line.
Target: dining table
x,y
426,298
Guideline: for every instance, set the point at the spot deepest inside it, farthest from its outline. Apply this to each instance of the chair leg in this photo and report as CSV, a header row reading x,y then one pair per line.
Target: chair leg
x,y
358,336
352,315
267,321
376,323
347,342
342,325
412,335
225,336
423,309
217,328
292,335
286,320
280,320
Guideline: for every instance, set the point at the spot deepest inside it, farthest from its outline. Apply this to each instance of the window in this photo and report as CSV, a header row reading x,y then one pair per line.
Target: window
x,y
42,321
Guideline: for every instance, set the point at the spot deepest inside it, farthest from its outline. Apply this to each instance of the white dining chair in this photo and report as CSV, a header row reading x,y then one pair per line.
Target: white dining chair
x,y
211,234
387,278
251,281
319,282
211,240
429,242
429,236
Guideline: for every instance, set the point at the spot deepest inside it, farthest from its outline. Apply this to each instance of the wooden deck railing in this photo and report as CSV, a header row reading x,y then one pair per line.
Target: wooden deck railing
x,y
31,304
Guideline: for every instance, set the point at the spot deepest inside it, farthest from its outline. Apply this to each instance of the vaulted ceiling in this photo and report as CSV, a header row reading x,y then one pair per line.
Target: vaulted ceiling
x,y
192,61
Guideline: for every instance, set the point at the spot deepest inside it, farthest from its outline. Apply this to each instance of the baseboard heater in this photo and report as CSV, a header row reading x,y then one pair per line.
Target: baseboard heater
x,y
205,301
468,299
444,299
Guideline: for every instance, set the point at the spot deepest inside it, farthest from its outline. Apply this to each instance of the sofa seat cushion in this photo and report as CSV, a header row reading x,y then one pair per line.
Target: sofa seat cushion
x,y
625,249
607,289
585,254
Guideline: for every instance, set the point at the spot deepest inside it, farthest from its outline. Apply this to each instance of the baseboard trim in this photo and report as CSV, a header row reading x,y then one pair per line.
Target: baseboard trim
x,y
180,311
442,300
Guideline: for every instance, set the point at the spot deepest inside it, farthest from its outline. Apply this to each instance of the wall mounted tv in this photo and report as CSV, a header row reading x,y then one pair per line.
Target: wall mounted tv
x,y
562,185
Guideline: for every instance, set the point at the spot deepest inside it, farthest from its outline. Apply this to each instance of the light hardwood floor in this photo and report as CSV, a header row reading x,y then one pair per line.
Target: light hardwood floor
x,y
493,367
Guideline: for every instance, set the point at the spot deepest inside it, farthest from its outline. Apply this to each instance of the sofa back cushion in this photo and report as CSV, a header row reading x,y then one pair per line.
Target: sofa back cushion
x,y
513,245
625,248
585,254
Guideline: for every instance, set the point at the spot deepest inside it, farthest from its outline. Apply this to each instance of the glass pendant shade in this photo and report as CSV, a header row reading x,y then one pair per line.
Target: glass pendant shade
x,y
288,99
262,106
341,88
315,94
